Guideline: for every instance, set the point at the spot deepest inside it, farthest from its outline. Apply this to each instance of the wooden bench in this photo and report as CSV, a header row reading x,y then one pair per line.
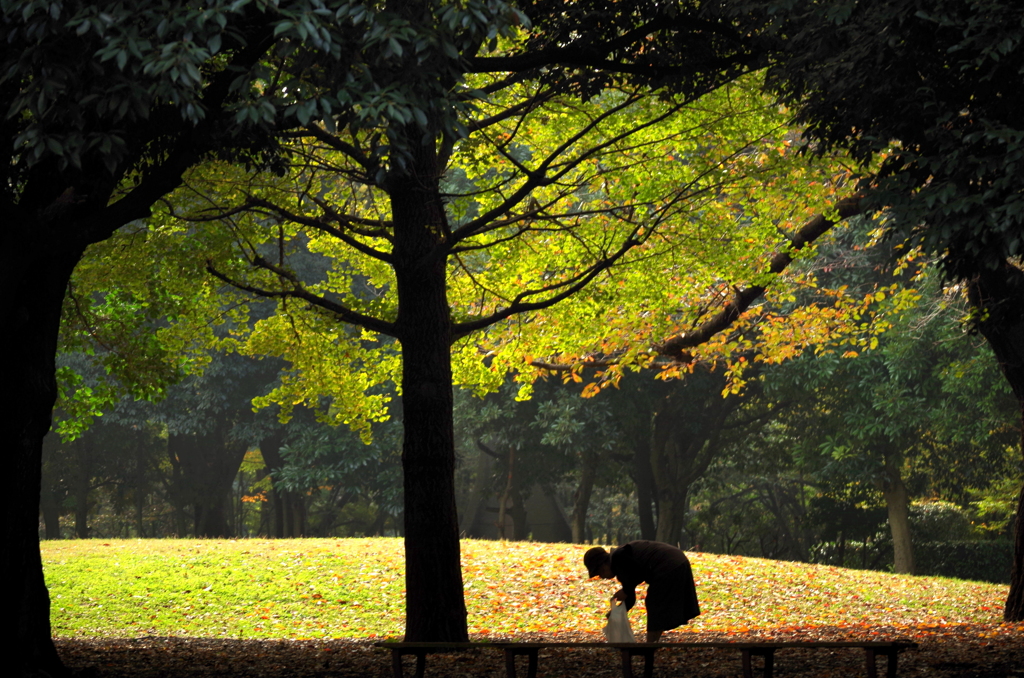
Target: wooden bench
x,y
764,649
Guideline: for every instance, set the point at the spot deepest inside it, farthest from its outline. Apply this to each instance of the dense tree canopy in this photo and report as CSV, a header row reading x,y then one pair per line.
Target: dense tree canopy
x,y
931,89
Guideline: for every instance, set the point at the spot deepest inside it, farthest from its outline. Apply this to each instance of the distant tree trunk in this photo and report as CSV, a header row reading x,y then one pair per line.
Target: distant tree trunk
x,y
289,507
51,515
209,464
686,435
517,511
143,449
506,496
83,454
176,491
581,498
672,517
50,498
897,502
999,293
644,479
435,606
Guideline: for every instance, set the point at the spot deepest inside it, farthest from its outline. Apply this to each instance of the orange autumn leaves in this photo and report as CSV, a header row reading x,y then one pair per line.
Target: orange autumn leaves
x,y
354,588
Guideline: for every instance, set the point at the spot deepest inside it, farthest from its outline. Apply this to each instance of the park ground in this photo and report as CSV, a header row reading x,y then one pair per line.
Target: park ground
x,y
316,607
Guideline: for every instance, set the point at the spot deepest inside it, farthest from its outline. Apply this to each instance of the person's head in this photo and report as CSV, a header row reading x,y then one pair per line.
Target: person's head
x,y
598,562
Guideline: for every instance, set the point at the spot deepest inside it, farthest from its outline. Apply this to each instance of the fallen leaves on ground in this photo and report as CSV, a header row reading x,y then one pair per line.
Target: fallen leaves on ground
x,y
354,588
954,651
315,607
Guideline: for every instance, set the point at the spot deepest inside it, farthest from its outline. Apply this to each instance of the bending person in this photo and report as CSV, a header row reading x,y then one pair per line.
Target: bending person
x,y
671,594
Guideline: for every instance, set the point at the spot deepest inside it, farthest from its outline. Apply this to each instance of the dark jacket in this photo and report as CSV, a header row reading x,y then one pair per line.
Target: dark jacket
x,y
671,594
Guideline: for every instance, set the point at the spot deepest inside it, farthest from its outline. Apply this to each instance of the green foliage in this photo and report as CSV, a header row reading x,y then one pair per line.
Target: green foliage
x,y
973,560
353,486
941,119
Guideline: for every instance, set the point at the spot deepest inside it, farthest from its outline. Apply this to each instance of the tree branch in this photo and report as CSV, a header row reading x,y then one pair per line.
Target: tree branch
x,y
297,291
743,298
568,288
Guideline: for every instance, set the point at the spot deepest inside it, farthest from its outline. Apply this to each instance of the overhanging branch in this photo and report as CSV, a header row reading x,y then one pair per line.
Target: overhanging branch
x,y
297,291
743,299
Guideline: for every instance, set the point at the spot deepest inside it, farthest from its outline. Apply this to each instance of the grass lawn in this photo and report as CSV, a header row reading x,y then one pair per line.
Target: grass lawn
x,y
354,588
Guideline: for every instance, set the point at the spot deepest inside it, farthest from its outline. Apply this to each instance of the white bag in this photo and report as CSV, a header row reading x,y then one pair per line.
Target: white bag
x,y
617,630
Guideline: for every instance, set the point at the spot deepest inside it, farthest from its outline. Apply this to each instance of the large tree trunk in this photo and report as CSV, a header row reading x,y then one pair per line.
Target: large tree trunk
x,y
32,321
435,607
999,295
897,502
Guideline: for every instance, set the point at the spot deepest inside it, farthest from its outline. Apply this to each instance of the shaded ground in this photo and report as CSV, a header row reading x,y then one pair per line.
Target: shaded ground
x,y
969,651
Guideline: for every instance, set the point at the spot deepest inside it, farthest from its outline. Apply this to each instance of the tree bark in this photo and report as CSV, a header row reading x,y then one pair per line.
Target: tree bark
x,y
209,464
435,607
998,297
897,502
581,500
687,431
32,322
289,507
643,477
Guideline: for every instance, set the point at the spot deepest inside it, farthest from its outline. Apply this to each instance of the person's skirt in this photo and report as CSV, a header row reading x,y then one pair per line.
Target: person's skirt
x,y
672,600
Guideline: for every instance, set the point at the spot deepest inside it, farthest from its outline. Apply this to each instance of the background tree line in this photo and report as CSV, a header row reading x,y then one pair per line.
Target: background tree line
x,y
888,449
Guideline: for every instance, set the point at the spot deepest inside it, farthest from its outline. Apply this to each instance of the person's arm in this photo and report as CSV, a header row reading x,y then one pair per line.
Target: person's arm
x,y
626,571
626,594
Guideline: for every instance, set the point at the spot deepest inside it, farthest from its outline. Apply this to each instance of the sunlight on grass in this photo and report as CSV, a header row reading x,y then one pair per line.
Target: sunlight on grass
x,y
344,588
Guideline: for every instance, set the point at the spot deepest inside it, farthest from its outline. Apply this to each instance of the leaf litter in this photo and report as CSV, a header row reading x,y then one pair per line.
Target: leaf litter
x,y
314,607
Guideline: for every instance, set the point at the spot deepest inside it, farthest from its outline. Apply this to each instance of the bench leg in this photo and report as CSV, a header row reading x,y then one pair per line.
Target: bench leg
x,y
890,665
510,662
396,663
627,664
769,662
627,661
648,663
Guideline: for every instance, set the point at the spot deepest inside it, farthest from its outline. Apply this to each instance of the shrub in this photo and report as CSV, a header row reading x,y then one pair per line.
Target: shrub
x,y
978,560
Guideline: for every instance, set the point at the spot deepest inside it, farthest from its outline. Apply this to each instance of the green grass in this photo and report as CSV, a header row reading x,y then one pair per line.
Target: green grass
x,y
354,588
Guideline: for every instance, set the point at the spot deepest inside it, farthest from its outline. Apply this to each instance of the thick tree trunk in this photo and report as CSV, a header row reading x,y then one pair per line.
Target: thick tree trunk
x,y
435,607
897,502
999,295
1014,610
581,500
31,324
